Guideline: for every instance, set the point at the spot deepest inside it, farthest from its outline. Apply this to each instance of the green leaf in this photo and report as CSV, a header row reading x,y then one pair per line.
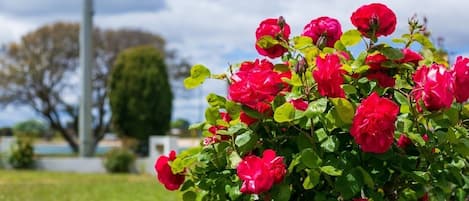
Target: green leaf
x,y
294,80
252,113
399,40
215,100
211,115
463,147
350,37
296,160
197,76
284,113
359,61
416,138
189,196
330,144
281,192
196,126
321,134
421,176
344,109
185,159
301,42
424,41
465,110
331,170
401,99
392,53
340,46
366,177
234,159
246,141
316,107
311,180
267,42
349,185
349,89
233,109
408,194
310,159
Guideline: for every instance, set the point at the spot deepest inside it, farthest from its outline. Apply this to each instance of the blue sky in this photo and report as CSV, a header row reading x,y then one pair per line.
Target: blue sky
x,y
217,32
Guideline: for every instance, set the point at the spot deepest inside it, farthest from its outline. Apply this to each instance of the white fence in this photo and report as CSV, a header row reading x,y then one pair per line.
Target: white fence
x,y
158,145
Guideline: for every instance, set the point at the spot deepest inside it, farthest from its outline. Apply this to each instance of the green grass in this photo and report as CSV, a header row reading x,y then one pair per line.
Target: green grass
x,y
52,186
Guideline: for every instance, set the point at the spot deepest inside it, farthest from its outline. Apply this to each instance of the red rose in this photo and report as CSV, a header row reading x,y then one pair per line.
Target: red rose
x,y
256,85
433,86
381,78
375,61
377,72
276,28
165,175
245,118
259,174
324,31
215,138
403,141
410,56
373,124
225,116
374,20
424,197
425,137
299,104
461,79
328,76
276,165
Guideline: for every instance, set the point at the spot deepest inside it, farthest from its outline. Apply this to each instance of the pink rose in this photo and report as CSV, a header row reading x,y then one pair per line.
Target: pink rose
x,y
324,31
374,20
276,28
328,76
373,124
165,175
259,174
461,79
433,86
403,141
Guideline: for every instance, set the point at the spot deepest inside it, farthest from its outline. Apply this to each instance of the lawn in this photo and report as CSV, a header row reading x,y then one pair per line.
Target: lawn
x,y
52,186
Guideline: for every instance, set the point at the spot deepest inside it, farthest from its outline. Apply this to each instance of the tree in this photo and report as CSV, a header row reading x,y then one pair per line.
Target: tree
x,y
31,128
140,94
39,70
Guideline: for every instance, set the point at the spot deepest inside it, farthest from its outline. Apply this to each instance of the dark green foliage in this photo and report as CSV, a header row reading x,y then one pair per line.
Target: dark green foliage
x,y
6,131
139,93
119,160
32,128
22,154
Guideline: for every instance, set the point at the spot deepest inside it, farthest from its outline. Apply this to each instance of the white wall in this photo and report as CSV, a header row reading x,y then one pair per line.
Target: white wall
x,y
158,145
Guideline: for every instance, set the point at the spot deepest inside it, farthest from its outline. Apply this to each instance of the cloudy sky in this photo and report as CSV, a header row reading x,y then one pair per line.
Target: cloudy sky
x,y
217,32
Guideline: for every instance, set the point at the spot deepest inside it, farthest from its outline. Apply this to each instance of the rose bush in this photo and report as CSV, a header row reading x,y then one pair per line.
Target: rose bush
x,y
319,122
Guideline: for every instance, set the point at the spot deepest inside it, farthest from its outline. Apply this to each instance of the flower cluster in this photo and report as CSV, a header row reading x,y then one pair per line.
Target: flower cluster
x,y
313,120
